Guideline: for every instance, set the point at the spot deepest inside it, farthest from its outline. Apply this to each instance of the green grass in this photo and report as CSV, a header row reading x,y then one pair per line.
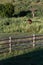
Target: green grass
x,y
21,25
5,1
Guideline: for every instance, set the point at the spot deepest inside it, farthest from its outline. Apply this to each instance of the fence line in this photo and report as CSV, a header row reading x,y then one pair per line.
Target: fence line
x,y
17,43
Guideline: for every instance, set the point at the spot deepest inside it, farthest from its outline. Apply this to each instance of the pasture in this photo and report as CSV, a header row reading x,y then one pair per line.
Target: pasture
x,y
21,25
14,21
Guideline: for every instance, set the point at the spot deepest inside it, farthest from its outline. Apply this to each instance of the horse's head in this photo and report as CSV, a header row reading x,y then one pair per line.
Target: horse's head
x,y
30,21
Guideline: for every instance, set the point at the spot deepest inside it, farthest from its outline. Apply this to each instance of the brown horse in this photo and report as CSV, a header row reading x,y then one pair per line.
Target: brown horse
x,y
30,21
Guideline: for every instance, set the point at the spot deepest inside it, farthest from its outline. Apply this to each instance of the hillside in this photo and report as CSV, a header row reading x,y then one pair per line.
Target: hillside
x,y
23,7
14,15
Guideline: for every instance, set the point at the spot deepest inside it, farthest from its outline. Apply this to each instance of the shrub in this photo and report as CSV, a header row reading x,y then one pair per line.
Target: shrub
x,y
2,10
6,10
9,9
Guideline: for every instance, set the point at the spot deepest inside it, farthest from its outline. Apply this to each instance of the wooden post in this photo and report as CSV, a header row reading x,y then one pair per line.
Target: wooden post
x,y
9,44
33,40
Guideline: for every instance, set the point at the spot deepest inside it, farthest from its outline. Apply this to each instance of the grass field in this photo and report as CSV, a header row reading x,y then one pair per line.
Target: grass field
x,y
17,25
21,25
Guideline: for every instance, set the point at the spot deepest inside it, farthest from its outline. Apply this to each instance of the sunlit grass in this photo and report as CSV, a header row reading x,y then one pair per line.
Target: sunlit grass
x,y
21,24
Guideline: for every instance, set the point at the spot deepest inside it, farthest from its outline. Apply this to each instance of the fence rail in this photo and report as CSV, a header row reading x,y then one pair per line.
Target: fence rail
x,y
20,43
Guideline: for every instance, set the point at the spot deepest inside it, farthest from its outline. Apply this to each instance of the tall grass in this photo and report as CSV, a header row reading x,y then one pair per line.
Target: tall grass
x,y
21,24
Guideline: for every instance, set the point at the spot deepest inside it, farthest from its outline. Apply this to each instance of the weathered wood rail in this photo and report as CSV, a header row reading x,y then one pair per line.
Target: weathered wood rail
x,y
10,44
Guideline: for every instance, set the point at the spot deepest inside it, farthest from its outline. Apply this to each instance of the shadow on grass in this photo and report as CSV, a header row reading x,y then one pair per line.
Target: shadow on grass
x,y
31,58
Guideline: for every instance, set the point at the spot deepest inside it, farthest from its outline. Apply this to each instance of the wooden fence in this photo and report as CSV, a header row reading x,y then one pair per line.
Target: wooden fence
x,y
10,44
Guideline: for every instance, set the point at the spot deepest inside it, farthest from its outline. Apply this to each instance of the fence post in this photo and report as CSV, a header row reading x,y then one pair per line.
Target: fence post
x,y
9,44
33,40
